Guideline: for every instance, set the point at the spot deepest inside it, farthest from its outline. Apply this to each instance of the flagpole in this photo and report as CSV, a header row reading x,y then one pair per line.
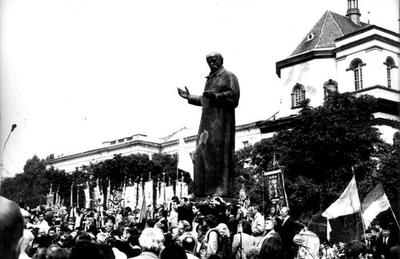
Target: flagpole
x,y
394,216
361,212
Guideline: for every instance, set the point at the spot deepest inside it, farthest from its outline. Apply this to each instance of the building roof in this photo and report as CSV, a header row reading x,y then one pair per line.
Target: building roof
x,y
328,28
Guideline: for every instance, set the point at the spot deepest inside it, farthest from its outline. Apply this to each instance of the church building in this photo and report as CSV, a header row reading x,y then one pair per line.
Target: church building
x,y
342,53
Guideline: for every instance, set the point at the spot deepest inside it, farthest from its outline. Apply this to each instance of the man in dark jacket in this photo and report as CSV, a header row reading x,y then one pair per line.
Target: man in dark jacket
x,y
287,230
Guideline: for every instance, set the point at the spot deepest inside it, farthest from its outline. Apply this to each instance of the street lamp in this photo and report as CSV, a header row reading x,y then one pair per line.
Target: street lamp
x,y
2,152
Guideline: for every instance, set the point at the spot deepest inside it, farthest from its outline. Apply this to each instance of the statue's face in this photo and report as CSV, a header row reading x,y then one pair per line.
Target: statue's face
x,y
214,62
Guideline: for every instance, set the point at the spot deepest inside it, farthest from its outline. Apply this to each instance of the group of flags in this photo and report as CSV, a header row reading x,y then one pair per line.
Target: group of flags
x,y
348,203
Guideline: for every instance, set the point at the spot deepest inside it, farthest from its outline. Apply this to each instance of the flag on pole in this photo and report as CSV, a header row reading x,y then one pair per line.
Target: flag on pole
x,y
185,162
148,193
140,194
87,196
169,193
109,194
143,209
130,197
374,203
348,203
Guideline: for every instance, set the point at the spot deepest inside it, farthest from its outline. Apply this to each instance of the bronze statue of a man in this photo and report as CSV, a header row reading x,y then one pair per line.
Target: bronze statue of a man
x,y
215,145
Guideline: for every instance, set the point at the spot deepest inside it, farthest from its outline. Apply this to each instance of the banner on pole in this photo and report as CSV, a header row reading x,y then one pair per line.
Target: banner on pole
x,y
274,184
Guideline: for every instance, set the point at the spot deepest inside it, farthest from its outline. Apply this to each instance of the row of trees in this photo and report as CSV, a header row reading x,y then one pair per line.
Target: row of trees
x,y
33,184
318,156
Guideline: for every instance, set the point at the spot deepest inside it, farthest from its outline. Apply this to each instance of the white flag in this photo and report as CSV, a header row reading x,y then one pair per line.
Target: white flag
x,y
185,162
169,193
130,197
87,196
348,203
140,194
374,203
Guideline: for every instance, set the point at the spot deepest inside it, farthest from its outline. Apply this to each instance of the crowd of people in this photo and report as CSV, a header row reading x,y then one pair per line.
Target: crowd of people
x,y
209,229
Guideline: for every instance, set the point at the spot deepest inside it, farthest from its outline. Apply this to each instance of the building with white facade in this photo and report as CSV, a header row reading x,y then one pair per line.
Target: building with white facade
x,y
140,143
341,53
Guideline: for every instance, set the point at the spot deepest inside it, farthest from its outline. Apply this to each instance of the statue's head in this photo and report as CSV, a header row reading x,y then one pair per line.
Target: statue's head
x,y
214,61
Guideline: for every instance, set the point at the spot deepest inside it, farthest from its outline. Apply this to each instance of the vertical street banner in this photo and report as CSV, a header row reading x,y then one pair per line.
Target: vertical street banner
x,y
130,197
140,194
148,192
163,186
87,196
184,189
158,192
169,193
178,189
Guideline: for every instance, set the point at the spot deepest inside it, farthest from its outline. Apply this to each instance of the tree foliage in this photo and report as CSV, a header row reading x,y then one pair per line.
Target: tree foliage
x,y
319,154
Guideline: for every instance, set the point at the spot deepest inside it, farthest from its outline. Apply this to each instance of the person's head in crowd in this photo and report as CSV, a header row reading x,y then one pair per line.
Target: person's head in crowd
x,y
210,221
355,249
185,201
270,224
163,225
109,226
189,244
51,232
244,227
184,226
35,219
175,233
271,248
223,230
173,251
86,250
56,252
308,244
175,199
40,253
128,232
82,236
175,205
253,210
27,240
110,218
195,209
11,229
151,222
285,212
41,217
151,240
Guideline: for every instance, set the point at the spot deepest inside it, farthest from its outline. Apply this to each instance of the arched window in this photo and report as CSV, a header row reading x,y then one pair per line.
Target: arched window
x,y
298,95
356,65
389,66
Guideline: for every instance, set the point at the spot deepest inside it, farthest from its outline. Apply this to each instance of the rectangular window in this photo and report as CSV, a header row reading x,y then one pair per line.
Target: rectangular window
x,y
389,79
358,78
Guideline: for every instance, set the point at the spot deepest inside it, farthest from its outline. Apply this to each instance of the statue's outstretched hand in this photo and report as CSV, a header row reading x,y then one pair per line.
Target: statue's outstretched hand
x,y
184,93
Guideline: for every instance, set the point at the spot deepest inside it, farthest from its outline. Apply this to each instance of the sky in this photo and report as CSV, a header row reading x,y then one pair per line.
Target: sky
x,y
76,73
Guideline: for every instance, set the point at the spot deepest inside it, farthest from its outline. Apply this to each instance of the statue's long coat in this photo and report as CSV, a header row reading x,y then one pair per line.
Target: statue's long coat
x,y
213,162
